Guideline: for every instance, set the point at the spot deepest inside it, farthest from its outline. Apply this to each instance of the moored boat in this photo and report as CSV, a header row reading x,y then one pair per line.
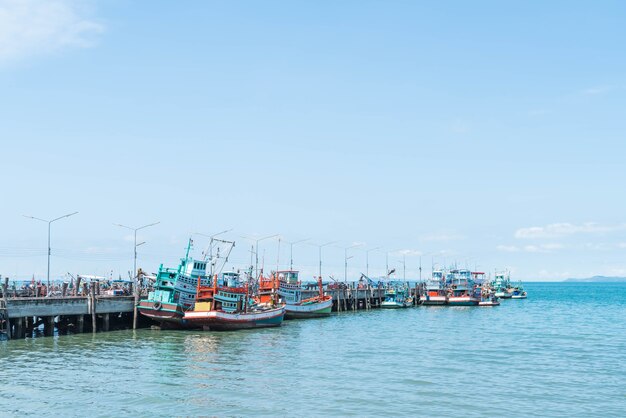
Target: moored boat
x,y
174,292
228,305
290,290
487,294
519,292
502,285
462,290
434,290
397,296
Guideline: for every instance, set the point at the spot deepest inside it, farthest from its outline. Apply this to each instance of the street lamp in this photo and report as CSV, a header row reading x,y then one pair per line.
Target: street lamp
x,y
320,252
136,245
256,249
291,244
367,260
49,223
346,258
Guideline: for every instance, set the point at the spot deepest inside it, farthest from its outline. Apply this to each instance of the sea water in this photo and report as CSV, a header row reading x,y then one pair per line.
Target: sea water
x,y
561,352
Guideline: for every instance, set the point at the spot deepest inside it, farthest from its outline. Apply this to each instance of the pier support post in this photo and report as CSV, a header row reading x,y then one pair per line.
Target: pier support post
x,y
48,326
80,324
5,310
93,307
105,322
64,289
135,310
19,328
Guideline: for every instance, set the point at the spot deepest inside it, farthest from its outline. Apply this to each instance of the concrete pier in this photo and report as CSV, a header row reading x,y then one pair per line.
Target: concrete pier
x,y
24,315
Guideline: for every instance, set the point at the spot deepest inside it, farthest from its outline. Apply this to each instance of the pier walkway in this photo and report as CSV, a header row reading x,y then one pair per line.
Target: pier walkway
x,y
88,311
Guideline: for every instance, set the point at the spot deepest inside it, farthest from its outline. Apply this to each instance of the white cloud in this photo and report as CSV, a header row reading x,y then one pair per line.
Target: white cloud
x,y
541,248
444,236
36,27
508,248
410,253
564,228
595,90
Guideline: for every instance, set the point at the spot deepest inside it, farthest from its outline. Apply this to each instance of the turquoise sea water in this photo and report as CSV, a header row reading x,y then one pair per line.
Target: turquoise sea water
x,y
562,352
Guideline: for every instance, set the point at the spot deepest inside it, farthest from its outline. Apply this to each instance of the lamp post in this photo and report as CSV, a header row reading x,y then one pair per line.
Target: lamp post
x,y
367,260
346,258
320,253
49,251
291,244
256,249
136,245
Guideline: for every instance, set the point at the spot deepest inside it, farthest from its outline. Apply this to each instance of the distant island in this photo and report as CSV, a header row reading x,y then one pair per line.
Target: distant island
x,y
598,279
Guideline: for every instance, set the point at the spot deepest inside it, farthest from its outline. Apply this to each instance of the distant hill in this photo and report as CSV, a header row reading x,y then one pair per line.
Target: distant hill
x,y
597,279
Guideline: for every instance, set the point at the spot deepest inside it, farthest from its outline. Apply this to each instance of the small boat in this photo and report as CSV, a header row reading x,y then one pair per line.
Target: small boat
x,y
462,290
228,306
434,291
502,285
290,290
487,295
175,292
518,292
397,296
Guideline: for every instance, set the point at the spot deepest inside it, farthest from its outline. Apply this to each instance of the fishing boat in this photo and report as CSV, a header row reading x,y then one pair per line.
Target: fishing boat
x,y
175,292
502,285
290,290
434,290
397,295
518,292
487,294
461,288
228,305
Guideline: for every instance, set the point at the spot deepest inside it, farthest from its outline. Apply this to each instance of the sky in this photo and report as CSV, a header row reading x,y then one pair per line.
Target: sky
x,y
482,134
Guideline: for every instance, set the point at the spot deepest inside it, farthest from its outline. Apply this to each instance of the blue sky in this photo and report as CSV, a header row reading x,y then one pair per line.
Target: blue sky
x,y
484,133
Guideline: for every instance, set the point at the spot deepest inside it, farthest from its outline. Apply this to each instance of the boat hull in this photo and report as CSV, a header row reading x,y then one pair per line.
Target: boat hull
x,y
224,321
518,297
168,315
312,310
394,305
488,303
462,301
434,300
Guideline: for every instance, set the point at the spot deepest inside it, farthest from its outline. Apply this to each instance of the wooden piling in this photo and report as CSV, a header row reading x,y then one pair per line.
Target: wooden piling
x,y
135,310
105,322
5,285
80,324
48,326
19,328
93,307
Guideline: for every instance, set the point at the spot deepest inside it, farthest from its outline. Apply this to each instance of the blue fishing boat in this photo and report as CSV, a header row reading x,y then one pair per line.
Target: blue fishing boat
x,y
518,291
175,292
462,289
502,285
397,295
